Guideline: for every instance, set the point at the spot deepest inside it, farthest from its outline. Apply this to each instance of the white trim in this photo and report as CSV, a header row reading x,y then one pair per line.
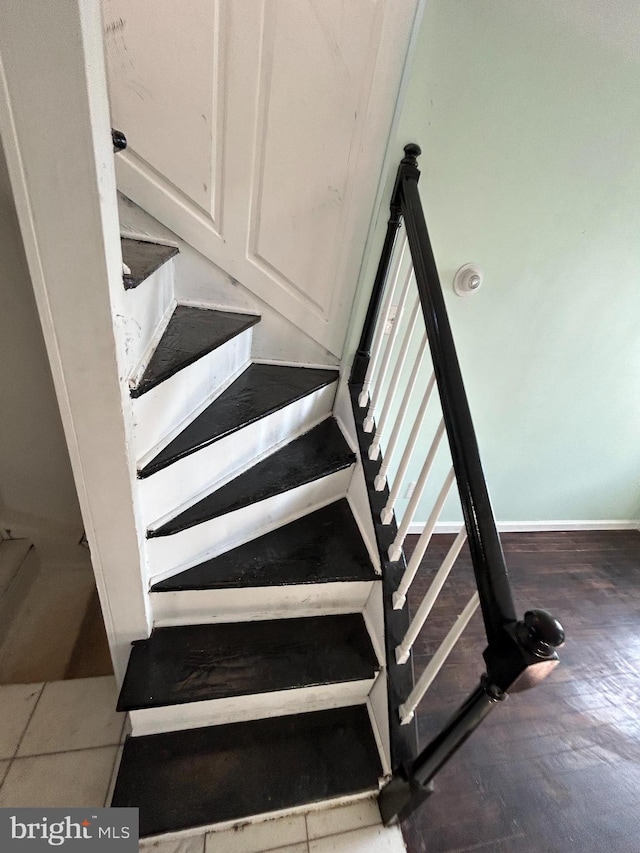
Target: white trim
x,y
283,363
357,491
56,100
217,306
536,526
377,736
128,234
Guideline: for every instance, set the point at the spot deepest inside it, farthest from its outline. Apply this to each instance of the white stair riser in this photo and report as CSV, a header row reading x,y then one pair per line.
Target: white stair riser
x,y
164,410
149,307
198,607
180,484
168,554
256,706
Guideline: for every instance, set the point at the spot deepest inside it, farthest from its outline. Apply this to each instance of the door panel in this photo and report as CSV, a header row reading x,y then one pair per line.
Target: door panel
x,y
257,130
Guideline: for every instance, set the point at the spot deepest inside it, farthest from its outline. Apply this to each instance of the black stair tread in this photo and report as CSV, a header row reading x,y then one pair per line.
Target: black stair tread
x,y
190,334
319,452
143,257
322,547
209,775
193,663
259,391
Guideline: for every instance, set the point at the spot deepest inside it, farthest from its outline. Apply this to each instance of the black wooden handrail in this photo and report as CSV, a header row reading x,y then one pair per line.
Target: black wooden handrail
x,y
519,654
489,565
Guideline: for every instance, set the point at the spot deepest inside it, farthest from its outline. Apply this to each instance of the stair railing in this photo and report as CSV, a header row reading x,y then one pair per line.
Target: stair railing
x,y
519,654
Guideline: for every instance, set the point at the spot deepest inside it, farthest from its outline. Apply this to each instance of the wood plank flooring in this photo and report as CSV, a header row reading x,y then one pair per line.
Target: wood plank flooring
x,y
556,768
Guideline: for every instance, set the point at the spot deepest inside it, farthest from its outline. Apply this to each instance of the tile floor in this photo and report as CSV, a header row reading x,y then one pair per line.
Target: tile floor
x,y
60,744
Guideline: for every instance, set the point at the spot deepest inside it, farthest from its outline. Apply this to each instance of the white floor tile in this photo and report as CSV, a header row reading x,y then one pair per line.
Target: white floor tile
x,y
374,839
256,837
195,844
17,702
72,779
343,818
75,714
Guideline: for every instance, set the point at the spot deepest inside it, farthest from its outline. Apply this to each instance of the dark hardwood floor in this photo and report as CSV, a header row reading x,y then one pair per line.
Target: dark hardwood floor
x,y
556,768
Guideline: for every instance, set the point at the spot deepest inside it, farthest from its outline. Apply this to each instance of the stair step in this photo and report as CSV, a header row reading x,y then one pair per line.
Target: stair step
x,y
318,453
190,334
143,257
322,547
261,390
205,776
196,663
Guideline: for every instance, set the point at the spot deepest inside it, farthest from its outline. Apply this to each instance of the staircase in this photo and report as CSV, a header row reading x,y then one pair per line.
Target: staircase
x,y
252,695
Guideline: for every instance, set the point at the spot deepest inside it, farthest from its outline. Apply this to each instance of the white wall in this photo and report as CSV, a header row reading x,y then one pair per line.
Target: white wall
x,y
528,117
37,493
54,121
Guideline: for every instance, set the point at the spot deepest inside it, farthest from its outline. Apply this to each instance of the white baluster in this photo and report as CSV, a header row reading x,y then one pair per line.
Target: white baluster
x,y
407,709
400,596
374,449
395,548
387,513
381,479
386,359
422,614
383,318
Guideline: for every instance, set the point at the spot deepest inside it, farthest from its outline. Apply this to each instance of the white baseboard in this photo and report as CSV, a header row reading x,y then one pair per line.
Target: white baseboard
x,y
536,526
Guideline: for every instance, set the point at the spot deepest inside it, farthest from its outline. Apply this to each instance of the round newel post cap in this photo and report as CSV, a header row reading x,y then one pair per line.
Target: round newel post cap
x,y
411,153
540,633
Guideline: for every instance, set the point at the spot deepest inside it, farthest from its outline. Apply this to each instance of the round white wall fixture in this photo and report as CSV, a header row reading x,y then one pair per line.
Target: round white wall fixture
x,y
468,279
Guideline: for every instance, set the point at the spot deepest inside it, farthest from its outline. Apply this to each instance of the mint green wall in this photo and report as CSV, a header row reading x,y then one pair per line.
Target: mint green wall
x,y
529,119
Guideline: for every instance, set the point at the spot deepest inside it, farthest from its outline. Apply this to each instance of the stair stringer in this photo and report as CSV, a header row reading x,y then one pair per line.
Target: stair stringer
x,y
357,495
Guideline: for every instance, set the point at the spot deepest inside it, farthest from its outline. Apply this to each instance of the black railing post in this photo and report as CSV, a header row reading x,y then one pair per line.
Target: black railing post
x,y
363,353
536,639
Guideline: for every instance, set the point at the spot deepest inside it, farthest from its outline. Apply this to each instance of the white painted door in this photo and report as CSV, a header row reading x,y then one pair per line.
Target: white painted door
x,y
257,130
